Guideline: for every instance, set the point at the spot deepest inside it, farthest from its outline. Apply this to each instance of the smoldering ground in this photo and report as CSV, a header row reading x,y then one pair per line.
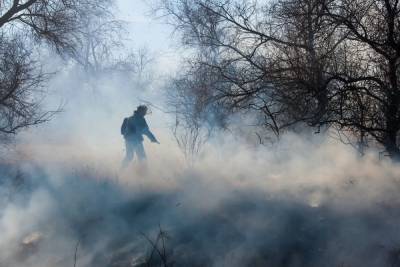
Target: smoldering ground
x,y
302,203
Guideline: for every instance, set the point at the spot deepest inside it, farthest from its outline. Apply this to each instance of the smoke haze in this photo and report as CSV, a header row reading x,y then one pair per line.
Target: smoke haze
x,y
303,201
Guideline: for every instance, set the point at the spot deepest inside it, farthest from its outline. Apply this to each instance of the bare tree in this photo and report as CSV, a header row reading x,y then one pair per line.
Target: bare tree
x,y
313,62
21,83
306,63
191,98
57,24
103,49
273,59
370,95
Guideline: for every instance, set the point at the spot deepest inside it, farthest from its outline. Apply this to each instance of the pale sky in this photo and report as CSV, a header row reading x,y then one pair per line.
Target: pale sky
x,y
147,31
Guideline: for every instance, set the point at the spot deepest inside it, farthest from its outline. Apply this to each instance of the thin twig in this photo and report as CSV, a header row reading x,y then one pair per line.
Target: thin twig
x,y
76,252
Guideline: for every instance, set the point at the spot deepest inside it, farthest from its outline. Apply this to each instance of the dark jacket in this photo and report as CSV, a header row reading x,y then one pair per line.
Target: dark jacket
x,y
134,127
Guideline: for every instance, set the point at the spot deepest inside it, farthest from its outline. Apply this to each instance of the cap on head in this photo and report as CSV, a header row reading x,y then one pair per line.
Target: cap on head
x,y
142,109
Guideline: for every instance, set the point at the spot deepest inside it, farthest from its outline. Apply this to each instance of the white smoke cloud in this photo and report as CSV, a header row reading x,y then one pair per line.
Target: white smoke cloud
x,y
302,202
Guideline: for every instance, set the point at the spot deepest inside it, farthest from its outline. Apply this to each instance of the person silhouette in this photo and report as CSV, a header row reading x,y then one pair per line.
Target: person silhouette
x,y
133,128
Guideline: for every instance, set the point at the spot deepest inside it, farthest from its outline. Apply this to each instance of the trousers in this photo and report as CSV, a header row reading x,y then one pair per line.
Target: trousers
x,y
133,147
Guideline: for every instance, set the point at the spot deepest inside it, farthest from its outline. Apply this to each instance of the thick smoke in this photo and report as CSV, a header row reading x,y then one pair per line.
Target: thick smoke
x,y
301,202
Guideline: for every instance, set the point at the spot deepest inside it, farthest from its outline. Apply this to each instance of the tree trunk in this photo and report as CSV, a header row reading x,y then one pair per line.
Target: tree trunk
x,y
392,127
391,146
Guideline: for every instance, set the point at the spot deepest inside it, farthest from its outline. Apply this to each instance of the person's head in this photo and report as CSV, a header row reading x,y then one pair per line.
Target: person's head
x,y
141,110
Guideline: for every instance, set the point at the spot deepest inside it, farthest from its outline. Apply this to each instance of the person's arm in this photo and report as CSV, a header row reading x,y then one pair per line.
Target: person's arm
x,y
149,134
